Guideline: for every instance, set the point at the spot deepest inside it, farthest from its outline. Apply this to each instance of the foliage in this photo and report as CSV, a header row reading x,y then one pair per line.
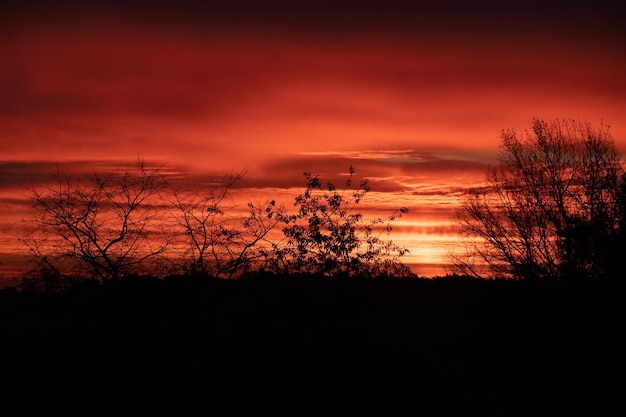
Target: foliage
x,y
553,208
327,235
104,227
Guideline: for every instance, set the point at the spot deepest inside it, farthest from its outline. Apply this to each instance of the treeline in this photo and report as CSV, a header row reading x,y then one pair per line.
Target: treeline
x,y
137,223
553,209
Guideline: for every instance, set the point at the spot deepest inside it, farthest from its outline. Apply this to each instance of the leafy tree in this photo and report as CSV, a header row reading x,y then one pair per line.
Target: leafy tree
x,y
327,235
104,227
553,206
222,239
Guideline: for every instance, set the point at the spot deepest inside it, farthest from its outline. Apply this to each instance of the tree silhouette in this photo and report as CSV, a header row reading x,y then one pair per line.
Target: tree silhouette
x,y
223,240
327,235
102,228
553,207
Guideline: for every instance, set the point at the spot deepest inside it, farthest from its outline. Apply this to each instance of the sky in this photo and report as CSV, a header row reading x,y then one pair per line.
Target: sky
x,y
412,96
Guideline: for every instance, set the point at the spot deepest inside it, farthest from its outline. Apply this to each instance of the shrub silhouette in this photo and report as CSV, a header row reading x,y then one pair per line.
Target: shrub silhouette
x,y
328,235
553,208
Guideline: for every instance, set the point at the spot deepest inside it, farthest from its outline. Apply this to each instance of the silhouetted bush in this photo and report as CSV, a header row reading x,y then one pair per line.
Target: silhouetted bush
x,y
328,235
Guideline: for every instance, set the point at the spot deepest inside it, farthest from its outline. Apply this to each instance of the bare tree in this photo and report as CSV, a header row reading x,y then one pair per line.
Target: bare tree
x,y
101,227
552,206
223,239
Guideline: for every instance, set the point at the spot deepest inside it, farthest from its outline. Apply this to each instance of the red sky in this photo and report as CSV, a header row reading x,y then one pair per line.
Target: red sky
x,y
412,96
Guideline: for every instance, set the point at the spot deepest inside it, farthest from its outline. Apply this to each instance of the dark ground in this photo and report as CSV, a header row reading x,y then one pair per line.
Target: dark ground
x,y
303,346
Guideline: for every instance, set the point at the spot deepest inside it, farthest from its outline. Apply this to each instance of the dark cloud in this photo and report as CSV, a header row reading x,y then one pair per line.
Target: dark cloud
x,y
430,177
23,174
455,191
335,16
386,171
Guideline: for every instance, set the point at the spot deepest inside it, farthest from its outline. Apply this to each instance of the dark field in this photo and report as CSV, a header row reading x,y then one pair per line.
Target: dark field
x,y
304,345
